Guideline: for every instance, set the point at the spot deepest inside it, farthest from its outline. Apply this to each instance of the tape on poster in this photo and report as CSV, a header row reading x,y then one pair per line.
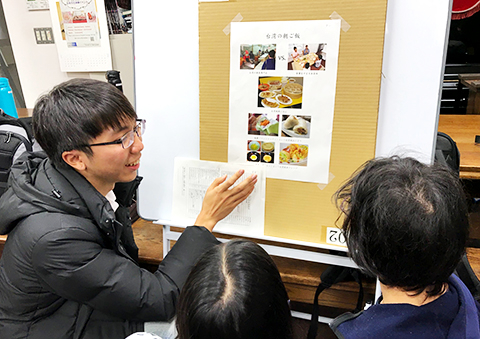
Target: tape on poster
x,y
237,18
345,25
330,178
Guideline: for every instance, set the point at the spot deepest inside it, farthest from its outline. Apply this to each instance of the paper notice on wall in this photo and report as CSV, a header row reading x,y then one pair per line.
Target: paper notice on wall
x,y
79,18
81,35
192,179
33,5
282,94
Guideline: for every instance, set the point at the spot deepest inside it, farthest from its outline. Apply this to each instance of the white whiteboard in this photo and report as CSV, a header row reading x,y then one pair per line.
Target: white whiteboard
x,y
160,30
416,39
414,56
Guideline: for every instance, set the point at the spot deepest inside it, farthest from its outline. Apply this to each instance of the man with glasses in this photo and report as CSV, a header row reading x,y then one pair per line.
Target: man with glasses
x,y
69,267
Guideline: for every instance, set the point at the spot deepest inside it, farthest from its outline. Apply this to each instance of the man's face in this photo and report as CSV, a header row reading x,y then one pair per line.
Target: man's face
x,y
110,164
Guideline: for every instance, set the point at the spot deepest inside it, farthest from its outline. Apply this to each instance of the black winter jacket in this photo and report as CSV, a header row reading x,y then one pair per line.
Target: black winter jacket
x,y
68,269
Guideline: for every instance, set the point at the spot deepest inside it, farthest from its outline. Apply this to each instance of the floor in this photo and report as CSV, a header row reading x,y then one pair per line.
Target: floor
x,y
300,329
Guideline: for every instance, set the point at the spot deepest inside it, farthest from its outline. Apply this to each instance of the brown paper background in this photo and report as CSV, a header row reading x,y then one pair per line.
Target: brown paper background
x,y
297,210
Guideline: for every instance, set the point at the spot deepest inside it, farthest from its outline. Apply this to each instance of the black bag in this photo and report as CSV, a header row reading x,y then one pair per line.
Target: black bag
x,y
447,154
16,137
333,275
466,274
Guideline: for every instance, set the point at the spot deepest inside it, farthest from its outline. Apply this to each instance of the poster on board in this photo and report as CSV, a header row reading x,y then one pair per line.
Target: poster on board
x,y
80,26
282,94
81,35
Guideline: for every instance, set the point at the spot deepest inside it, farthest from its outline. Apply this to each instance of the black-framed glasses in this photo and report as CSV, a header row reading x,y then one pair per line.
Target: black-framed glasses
x,y
129,137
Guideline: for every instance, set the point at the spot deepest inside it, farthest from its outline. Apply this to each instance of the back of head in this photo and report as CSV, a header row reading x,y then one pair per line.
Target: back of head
x,y
75,112
405,222
271,54
234,292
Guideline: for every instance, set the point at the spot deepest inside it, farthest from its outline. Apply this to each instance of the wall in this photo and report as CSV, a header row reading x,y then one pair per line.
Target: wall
x,y
38,65
122,60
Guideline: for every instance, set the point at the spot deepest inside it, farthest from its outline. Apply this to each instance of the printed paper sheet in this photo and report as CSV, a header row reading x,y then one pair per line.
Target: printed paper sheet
x,y
191,180
282,94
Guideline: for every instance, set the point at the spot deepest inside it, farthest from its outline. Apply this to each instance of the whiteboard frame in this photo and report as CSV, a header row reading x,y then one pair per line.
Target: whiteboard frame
x,y
409,96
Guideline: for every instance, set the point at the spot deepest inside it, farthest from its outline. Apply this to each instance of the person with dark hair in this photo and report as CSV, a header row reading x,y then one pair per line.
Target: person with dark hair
x,y
321,56
234,291
69,267
319,64
270,62
295,54
306,50
406,223
291,58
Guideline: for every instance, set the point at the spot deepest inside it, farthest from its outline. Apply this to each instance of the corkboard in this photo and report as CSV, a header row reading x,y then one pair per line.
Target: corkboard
x,y
296,210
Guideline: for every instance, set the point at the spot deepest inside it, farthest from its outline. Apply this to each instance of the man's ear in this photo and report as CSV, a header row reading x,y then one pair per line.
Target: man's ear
x,y
75,159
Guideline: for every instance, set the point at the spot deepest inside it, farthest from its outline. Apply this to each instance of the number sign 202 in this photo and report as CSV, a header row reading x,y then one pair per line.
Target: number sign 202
x,y
335,236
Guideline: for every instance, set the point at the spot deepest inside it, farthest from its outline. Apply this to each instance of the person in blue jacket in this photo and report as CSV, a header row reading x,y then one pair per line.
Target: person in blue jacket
x,y
270,62
406,223
306,50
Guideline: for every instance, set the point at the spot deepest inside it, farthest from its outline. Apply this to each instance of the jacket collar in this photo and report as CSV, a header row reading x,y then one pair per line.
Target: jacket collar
x,y
98,206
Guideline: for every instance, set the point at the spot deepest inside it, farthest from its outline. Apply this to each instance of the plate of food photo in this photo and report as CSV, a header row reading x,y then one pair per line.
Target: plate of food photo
x,y
253,145
270,103
296,127
267,158
267,126
263,87
253,156
283,99
275,84
267,94
294,154
293,90
268,147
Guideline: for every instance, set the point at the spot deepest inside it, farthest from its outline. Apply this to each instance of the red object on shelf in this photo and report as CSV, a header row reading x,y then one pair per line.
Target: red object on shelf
x,y
462,9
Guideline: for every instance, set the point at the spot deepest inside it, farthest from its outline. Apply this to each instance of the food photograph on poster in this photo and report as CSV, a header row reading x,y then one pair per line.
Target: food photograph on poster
x,y
296,126
260,151
263,124
293,154
280,92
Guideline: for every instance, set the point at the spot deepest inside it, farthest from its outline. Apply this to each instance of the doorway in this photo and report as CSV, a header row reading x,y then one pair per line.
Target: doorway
x,y
8,68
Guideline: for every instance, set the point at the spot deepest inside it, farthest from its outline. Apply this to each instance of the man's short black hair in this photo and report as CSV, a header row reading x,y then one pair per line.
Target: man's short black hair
x,y
405,222
272,54
75,112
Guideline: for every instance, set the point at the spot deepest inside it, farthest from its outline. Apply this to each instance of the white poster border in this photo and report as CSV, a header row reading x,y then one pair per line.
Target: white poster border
x,y
298,157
